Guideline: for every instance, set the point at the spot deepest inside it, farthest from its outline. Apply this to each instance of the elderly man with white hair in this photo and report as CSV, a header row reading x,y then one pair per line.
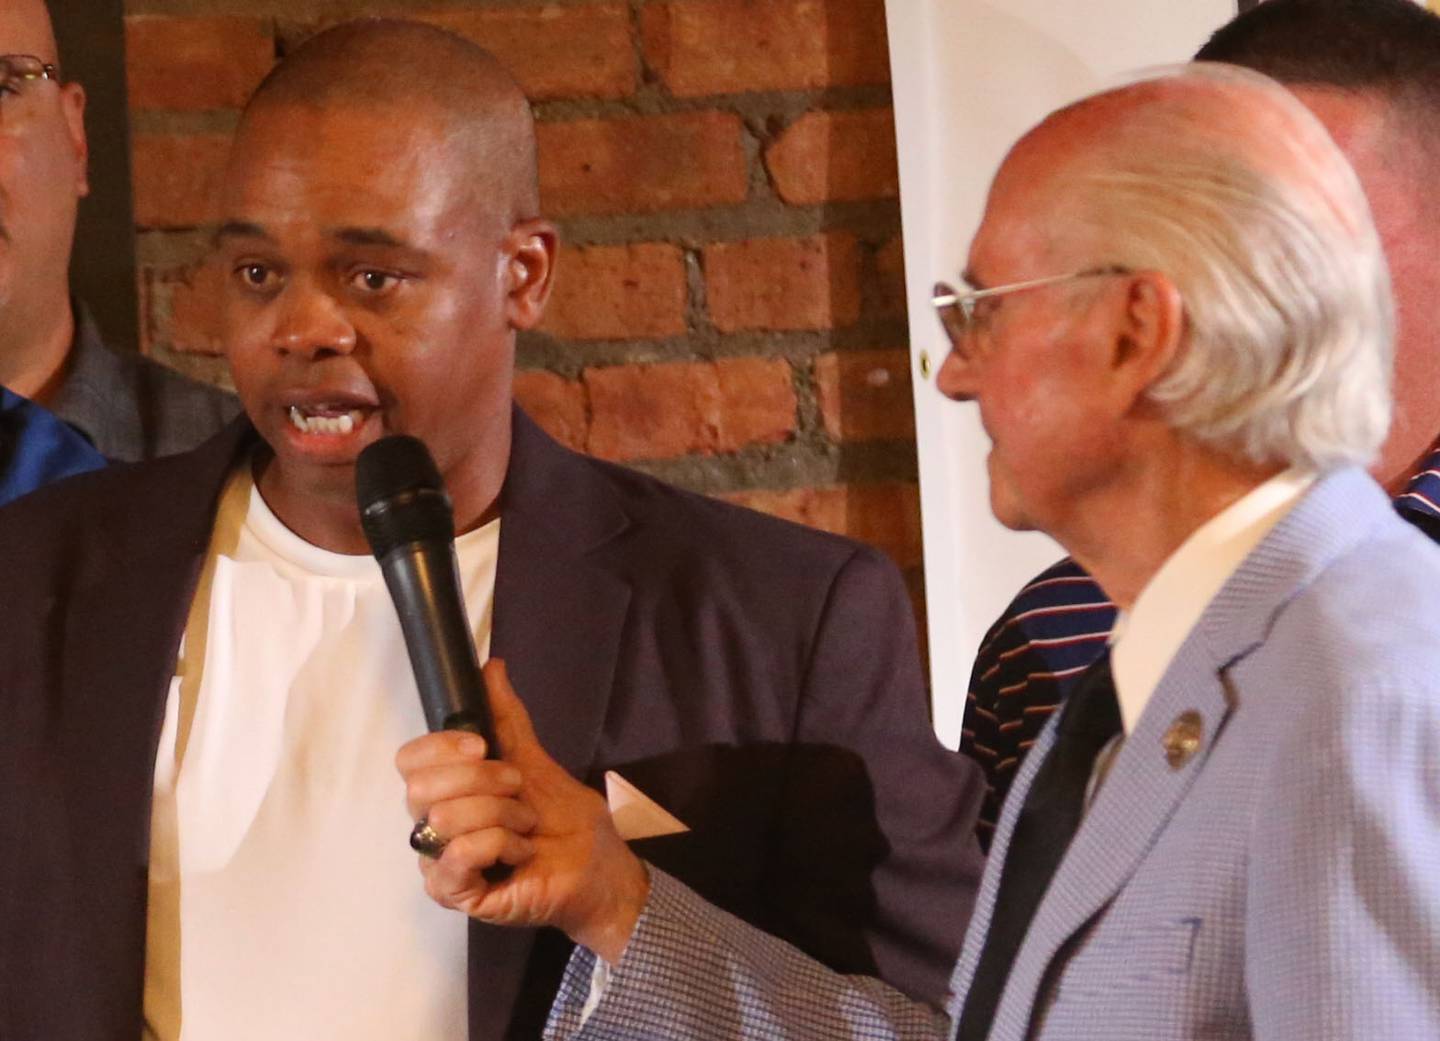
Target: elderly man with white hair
x,y
1178,332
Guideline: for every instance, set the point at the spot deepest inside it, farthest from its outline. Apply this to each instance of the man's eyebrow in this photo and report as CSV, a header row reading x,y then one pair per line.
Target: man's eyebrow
x,y
239,229
369,237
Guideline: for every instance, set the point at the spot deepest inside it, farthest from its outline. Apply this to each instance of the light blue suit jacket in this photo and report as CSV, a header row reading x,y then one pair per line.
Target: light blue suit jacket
x,y
1282,883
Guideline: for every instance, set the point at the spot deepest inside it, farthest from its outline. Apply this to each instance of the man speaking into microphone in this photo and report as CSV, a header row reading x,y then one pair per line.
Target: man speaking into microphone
x,y
204,679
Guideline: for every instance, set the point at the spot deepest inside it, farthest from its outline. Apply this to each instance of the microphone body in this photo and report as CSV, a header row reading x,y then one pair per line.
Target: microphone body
x,y
425,585
409,524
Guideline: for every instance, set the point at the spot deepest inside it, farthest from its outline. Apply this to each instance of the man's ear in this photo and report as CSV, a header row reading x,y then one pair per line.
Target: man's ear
x,y
529,257
1149,334
72,99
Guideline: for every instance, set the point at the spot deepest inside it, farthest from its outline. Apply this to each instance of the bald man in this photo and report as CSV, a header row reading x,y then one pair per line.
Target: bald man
x,y
124,406
205,685
1241,845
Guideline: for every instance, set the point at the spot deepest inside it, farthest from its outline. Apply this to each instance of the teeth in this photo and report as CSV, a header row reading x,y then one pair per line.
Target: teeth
x,y
340,425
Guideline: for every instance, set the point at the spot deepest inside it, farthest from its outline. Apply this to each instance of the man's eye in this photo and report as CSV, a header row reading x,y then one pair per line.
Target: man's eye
x,y
256,276
372,281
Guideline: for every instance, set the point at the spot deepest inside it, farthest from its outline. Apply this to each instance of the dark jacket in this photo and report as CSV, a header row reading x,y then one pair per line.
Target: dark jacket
x,y
757,679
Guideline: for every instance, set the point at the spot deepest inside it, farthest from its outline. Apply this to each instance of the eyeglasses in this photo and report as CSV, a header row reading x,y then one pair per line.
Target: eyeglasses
x,y
962,319
18,71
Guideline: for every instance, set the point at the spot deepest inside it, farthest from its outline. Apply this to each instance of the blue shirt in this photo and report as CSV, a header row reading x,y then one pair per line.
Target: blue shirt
x,y
36,447
1053,630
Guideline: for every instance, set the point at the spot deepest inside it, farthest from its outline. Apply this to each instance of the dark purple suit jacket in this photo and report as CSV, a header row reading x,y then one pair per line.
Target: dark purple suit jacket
x,y
757,679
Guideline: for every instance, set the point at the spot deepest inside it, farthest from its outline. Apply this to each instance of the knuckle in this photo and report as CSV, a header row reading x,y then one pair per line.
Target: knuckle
x,y
438,817
479,848
433,890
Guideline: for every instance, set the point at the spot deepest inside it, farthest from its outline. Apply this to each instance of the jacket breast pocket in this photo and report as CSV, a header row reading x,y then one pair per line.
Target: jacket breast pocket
x,y
1109,962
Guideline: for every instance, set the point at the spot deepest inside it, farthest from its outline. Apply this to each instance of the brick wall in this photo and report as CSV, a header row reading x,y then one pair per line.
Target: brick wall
x,y
730,310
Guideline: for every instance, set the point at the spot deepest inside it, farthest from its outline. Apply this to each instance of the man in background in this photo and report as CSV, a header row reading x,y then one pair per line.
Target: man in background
x,y
127,407
1370,71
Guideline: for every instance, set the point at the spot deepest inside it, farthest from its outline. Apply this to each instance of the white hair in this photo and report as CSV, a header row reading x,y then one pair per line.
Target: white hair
x,y
1225,183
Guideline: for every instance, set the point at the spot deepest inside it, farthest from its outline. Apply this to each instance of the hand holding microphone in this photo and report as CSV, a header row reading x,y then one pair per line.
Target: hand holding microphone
x,y
478,817
571,868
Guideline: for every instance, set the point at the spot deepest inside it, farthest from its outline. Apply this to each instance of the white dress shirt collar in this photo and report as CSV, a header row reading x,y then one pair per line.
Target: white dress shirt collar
x,y
1147,636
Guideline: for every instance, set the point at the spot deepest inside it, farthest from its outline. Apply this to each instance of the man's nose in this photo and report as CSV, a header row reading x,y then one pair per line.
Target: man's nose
x,y
957,377
312,323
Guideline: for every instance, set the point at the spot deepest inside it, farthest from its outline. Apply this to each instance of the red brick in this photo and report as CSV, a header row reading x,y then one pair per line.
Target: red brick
x,y
643,164
865,395
180,309
730,46
555,51
804,283
653,411
890,278
189,63
758,395
887,516
177,178
614,292
836,156
557,404
684,408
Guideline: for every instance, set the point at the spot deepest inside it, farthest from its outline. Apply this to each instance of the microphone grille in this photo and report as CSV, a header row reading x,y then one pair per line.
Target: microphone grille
x,y
401,495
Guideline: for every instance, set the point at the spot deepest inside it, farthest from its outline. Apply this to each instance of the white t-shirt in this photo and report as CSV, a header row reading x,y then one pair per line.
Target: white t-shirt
x,y
285,902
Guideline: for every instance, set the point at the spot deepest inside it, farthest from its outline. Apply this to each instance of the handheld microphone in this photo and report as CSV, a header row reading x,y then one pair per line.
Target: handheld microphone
x,y
409,523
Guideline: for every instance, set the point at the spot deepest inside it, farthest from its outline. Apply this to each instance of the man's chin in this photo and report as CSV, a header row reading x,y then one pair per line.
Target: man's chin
x,y
1015,523
1007,510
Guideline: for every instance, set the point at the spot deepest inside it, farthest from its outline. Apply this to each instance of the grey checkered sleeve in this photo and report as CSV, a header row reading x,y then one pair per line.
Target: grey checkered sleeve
x,y
693,971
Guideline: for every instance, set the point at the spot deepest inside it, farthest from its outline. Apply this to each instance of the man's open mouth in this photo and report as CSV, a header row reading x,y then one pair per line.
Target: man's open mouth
x,y
326,419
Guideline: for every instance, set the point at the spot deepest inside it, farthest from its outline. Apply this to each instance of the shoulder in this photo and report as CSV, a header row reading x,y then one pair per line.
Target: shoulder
x,y
133,407
63,498
1063,584
691,556
1360,639
121,505
95,501
1061,603
674,520
186,410
48,536
174,385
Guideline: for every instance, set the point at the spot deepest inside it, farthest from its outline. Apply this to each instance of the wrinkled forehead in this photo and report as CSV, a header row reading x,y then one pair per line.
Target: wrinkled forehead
x,y
25,29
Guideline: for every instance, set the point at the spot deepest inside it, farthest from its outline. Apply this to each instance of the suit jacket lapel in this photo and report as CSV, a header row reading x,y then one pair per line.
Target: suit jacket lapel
x,y
560,607
1142,791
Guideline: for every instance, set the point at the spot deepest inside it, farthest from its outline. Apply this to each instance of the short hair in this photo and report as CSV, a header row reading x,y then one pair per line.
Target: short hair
x,y
1261,224
1390,47
425,69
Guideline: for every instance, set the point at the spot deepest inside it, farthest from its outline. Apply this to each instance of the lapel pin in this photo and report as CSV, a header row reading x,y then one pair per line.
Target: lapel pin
x,y
1183,739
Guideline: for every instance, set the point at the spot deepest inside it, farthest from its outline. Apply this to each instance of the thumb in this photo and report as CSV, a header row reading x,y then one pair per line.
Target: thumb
x,y
514,732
